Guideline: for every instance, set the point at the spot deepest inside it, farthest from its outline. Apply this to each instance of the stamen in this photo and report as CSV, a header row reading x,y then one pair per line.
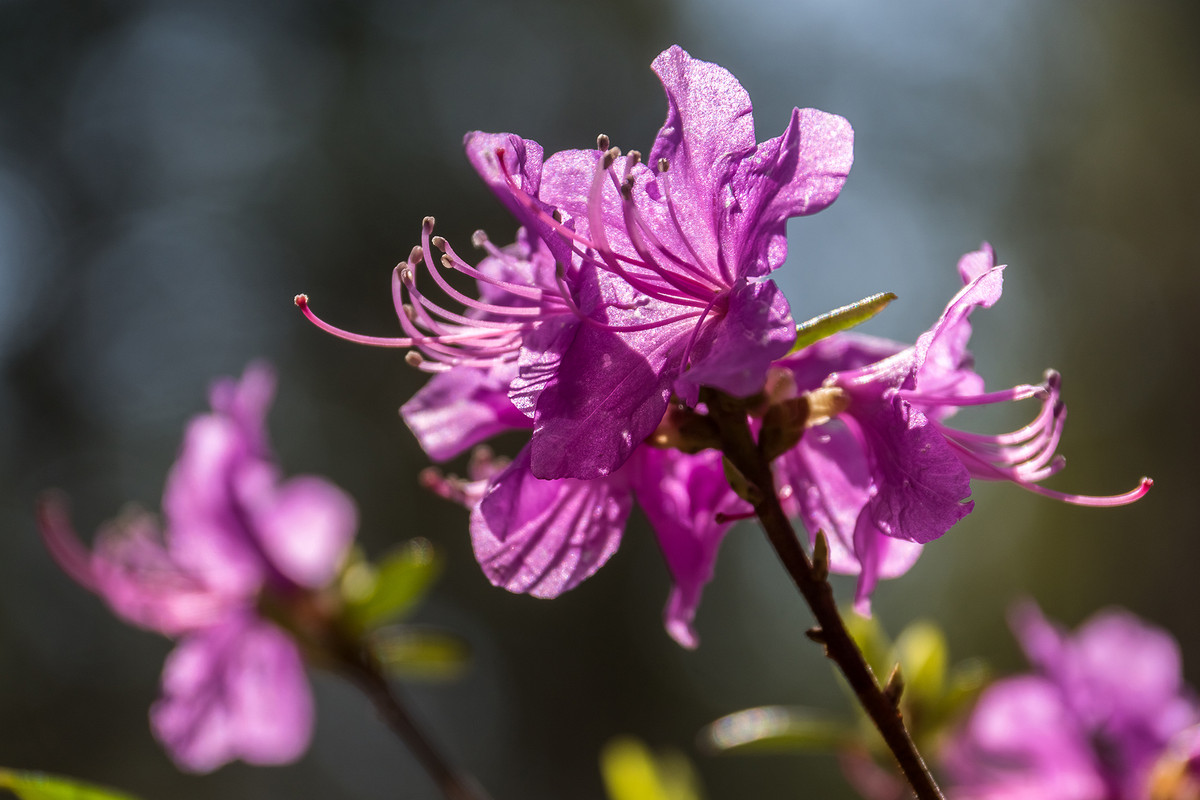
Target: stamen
x,y
1022,392
1108,501
301,301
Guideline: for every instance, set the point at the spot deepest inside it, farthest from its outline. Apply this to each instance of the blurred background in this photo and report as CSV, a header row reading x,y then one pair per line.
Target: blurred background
x,y
172,173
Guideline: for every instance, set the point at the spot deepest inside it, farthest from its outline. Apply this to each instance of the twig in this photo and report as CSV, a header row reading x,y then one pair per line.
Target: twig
x,y
744,454
364,671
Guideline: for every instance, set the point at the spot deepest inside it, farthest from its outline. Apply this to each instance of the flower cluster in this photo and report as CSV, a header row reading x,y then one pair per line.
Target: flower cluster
x,y
1104,716
636,282
239,548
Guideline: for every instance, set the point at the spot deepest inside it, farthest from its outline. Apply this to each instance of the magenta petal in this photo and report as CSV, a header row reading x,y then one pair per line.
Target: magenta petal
x,y
976,262
922,485
304,525
206,532
795,174
681,496
609,394
541,354
943,365
734,353
1023,742
235,691
459,408
545,537
246,403
826,482
512,168
838,353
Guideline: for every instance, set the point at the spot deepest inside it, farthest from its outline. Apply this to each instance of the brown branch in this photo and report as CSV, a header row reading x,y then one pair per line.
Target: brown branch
x,y
364,671
744,454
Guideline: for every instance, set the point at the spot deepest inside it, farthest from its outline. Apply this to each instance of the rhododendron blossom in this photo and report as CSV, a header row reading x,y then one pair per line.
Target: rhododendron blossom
x,y
236,539
655,278
1101,707
543,537
886,474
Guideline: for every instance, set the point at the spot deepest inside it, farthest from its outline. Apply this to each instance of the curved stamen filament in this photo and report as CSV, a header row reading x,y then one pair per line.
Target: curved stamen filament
x,y
610,257
636,225
301,301
469,302
687,242
1022,392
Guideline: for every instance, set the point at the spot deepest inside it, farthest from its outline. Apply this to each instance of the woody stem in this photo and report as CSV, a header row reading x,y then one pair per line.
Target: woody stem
x,y
357,664
741,450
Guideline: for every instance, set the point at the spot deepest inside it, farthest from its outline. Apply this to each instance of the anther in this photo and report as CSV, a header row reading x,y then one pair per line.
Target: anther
x,y
479,239
602,142
610,156
447,261
406,276
427,223
663,165
413,358
627,187
557,215
634,157
409,312
416,255
439,243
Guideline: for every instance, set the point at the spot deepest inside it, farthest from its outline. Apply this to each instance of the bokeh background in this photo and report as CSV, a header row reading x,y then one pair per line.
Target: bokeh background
x,y
171,173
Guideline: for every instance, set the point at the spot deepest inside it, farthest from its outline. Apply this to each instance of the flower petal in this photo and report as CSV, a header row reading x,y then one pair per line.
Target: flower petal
x,y
459,408
734,353
681,496
544,537
795,174
609,393
304,526
708,130
234,691
922,487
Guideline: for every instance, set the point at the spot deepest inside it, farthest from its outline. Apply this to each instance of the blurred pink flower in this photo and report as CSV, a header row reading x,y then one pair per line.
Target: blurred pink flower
x,y
237,538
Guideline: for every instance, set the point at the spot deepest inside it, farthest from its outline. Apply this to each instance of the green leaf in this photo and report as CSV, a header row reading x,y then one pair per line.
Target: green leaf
x,y
839,319
422,653
922,653
967,680
632,772
36,786
378,594
774,729
871,639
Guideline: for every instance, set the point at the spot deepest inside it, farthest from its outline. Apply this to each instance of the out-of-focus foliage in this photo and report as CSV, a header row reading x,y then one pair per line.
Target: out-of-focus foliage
x,y
632,772
36,786
934,695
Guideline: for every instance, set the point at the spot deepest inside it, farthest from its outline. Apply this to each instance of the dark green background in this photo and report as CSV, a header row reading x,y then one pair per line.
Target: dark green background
x,y
171,173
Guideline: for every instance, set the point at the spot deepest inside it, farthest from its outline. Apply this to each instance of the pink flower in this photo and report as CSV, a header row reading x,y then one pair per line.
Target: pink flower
x,y
237,538
886,473
1101,706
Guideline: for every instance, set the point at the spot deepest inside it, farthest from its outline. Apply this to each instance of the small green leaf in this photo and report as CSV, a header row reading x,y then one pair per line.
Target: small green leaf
x,y
774,729
922,653
967,680
871,639
422,653
632,772
840,319
378,594
36,786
